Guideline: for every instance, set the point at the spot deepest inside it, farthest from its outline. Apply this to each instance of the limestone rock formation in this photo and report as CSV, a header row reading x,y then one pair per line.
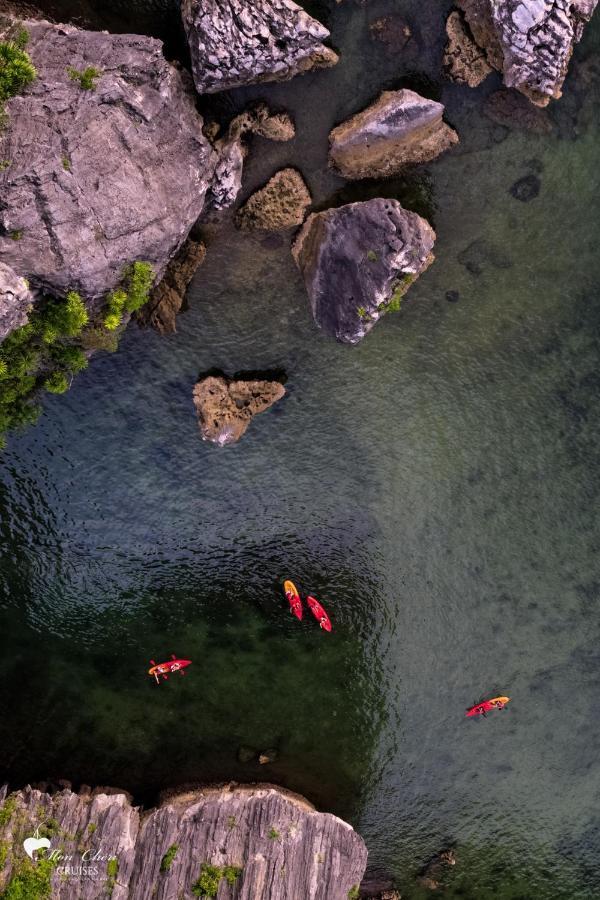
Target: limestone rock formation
x,y
104,169
232,150
267,843
281,203
15,300
529,41
400,129
464,61
233,42
358,260
225,408
166,298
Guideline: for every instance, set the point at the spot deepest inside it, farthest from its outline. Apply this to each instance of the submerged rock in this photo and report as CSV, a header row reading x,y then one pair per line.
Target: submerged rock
x,y
434,869
104,169
358,260
513,110
393,32
15,300
233,42
281,203
464,60
225,408
400,129
232,150
262,839
529,41
526,188
166,299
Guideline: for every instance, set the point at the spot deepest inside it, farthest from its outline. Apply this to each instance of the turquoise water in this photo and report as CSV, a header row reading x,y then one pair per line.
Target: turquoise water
x,y
436,486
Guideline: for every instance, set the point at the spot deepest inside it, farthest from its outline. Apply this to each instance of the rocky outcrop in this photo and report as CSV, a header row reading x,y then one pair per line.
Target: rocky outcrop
x,y
464,60
281,203
226,407
233,42
166,298
15,300
529,41
357,261
254,843
400,129
108,162
232,150
430,875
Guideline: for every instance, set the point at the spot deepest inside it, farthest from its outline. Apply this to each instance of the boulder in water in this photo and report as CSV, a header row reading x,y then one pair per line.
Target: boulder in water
x,y
226,407
281,203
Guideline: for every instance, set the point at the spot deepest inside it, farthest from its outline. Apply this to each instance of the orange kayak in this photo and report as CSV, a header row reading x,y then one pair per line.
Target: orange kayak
x,y
293,598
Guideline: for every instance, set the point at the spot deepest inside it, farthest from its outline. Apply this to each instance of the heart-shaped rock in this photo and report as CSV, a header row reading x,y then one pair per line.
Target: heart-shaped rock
x,y
32,844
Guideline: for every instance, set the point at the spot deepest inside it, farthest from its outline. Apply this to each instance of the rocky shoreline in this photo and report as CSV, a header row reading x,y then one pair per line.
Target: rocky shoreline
x,y
252,842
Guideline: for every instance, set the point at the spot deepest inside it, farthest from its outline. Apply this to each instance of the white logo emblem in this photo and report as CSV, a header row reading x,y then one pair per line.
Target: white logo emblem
x,y
31,844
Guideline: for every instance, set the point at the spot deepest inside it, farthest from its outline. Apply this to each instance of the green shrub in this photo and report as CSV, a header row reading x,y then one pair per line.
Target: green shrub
x,y
115,307
274,834
4,848
29,881
16,68
139,278
112,868
99,339
16,235
208,883
372,256
4,164
69,357
167,860
354,892
62,318
56,383
92,827
86,78
6,811
66,163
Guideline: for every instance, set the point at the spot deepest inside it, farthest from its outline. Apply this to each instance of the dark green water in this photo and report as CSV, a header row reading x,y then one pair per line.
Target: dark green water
x,y
437,486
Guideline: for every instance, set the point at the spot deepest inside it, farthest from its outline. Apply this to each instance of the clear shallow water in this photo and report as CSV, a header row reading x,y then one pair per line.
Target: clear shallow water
x,y
436,485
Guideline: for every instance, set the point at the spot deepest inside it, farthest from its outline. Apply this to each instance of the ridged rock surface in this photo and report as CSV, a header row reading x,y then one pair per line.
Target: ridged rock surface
x,y
281,203
284,848
15,301
226,407
400,129
464,60
529,41
233,42
99,178
358,258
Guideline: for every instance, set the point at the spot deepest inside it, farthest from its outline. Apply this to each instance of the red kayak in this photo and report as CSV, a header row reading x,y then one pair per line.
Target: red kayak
x,y
319,613
167,668
487,706
293,598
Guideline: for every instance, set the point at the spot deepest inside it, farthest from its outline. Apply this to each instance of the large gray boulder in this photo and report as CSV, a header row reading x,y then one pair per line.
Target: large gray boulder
x,y
277,847
103,176
400,129
15,300
234,42
358,260
529,41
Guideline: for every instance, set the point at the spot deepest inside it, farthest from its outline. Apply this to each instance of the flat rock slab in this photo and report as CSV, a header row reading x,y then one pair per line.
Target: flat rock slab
x,y
225,408
359,258
283,847
400,129
99,178
529,41
233,42
281,203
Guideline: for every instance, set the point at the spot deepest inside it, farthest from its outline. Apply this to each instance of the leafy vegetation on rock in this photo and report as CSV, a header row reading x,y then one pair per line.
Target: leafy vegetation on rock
x,y
16,68
6,811
133,293
208,883
29,881
167,860
86,78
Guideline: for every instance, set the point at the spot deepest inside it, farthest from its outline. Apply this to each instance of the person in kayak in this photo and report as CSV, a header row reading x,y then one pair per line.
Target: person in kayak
x,y
499,704
323,621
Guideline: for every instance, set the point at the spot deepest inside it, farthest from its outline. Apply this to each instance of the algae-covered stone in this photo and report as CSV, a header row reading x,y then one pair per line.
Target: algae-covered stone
x,y
281,203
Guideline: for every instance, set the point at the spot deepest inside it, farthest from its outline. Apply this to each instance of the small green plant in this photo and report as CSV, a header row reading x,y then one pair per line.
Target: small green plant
x,y
115,307
361,311
16,235
112,867
66,163
56,383
131,295
372,256
167,860
16,68
69,357
210,877
86,78
354,892
99,339
4,164
29,881
231,822
4,847
63,318
50,828
92,827
6,811
274,834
